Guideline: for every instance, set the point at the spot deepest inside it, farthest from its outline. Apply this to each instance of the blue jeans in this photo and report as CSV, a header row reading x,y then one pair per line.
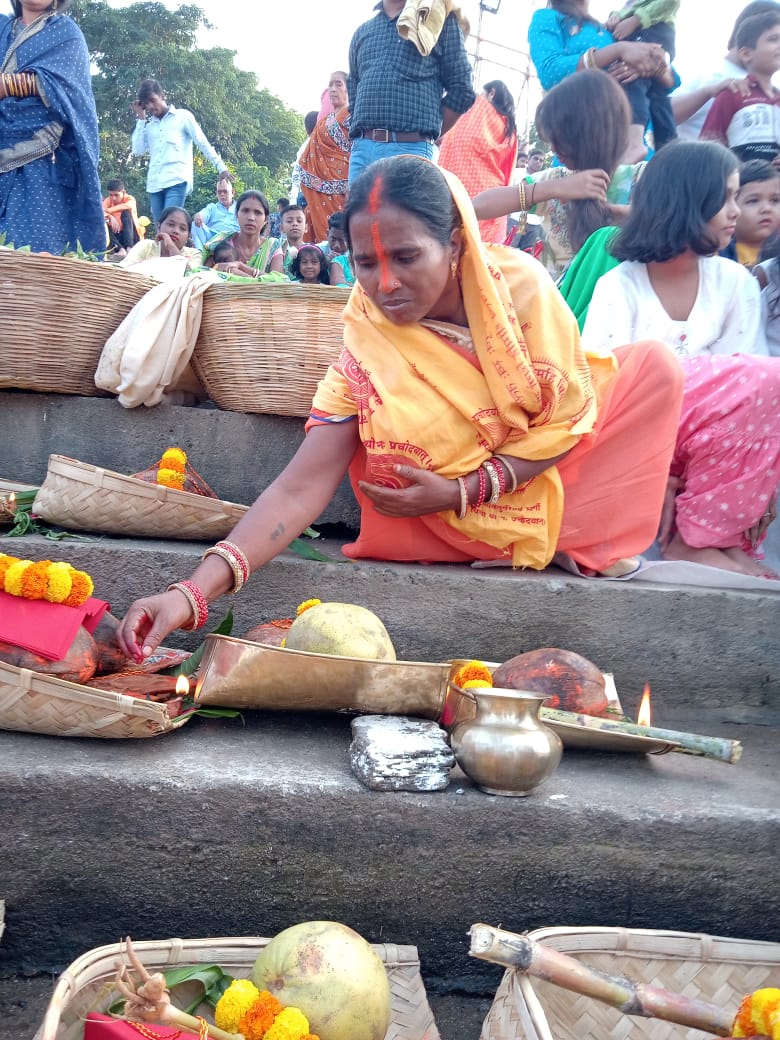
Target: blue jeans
x,y
364,152
173,195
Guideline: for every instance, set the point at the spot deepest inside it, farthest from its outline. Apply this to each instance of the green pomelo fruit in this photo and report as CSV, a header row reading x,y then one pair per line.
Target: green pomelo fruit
x,y
332,975
341,629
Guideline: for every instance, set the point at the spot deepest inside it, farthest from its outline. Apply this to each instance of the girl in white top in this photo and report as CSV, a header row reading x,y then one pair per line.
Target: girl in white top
x,y
671,287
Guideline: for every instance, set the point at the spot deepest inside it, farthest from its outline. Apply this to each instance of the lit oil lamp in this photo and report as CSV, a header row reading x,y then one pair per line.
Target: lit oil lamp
x,y
645,716
8,508
183,686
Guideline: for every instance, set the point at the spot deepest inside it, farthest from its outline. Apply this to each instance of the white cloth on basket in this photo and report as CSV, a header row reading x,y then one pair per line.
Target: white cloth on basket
x,y
151,350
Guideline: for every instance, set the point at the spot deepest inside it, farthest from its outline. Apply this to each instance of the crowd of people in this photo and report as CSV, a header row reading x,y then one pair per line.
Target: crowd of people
x,y
484,409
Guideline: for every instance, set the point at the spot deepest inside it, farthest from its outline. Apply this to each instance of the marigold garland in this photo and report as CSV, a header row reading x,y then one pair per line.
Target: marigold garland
x,y
759,1014
57,582
306,605
472,675
256,1015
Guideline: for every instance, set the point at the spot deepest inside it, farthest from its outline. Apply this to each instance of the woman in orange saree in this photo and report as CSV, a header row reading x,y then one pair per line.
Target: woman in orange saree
x,y
324,163
474,424
481,150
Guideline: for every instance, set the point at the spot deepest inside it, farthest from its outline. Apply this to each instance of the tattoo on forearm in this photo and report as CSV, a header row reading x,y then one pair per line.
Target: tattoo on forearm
x,y
277,532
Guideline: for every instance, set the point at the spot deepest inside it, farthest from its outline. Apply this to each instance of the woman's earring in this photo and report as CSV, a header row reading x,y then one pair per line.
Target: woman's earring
x,y
454,269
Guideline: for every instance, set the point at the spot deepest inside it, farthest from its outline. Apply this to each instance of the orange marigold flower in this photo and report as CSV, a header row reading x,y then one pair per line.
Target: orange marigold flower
x,y
310,1036
81,588
171,478
472,674
306,605
5,563
35,580
174,458
256,1022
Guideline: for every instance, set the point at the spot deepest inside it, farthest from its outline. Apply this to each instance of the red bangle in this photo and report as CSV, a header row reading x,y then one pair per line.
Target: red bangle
x,y
196,600
482,494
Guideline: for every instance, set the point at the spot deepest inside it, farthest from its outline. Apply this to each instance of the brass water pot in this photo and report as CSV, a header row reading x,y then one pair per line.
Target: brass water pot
x,y
506,749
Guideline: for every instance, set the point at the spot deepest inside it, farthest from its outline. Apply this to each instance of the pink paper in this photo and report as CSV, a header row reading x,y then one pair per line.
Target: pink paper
x,y
47,629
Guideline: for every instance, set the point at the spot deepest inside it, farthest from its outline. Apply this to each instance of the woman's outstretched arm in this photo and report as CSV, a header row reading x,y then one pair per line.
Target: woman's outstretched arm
x,y
498,202
294,500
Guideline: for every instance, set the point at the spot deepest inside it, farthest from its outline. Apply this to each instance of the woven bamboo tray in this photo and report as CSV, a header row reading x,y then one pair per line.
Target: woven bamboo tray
x,y
264,348
87,498
34,703
57,315
717,969
87,985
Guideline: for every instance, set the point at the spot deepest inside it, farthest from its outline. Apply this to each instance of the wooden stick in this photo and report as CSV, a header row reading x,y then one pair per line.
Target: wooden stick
x,y
719,748
632,998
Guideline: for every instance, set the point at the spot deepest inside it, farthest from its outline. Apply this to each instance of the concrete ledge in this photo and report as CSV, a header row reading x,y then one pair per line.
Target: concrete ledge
x,y
244,827
694,646
237,454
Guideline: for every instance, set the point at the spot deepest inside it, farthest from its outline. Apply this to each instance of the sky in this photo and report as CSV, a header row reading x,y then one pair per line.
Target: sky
x,y
293,45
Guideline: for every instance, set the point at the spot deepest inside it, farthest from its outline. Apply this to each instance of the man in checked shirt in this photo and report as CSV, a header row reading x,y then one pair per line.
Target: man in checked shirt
x,y
401,102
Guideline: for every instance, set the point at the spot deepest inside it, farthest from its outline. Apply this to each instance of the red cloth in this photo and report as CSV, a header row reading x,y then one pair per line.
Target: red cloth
x,y
46,628
102,1027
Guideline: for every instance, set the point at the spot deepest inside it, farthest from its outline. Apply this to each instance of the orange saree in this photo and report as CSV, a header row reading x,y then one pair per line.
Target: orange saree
x,y
324,168
517,382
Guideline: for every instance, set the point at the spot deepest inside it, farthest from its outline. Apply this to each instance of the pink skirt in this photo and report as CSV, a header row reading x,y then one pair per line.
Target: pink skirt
x,y
728,448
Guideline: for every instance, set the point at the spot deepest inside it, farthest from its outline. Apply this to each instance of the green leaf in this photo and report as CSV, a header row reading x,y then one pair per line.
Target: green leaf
x,y
310,533
308,552
217,713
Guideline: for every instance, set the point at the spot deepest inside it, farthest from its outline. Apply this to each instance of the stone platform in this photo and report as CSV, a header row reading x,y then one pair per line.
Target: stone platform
x,y
246,826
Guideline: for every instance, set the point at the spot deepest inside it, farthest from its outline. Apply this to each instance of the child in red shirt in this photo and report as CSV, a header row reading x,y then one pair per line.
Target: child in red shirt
x,y
750,125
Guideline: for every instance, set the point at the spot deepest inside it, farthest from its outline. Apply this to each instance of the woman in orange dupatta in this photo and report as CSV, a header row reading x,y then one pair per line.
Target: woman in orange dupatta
x,y
474,424
324,163
481,149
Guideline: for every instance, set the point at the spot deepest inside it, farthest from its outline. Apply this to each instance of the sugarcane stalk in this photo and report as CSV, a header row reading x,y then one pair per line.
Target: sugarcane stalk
x,y
632,998
719,748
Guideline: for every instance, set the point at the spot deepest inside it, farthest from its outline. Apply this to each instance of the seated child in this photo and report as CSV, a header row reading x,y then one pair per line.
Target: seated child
x,y
122,223
648,21
755,236
336,253
309,266
293,226
750,125
224,253
217,218
172,240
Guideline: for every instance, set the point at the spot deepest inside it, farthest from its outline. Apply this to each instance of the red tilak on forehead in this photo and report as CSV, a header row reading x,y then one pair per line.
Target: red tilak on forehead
x,y
374,202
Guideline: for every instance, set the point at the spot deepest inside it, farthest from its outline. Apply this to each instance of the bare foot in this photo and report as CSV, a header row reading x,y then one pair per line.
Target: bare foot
x,y
755,567
711,557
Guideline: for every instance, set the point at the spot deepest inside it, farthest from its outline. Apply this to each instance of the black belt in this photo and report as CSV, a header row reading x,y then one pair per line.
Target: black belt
x,y
388,136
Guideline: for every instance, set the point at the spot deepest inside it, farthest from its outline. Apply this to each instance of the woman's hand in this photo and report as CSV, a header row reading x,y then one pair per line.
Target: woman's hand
x,y
236,267
148,622
638,61
167,247
755,534
586,184
427,493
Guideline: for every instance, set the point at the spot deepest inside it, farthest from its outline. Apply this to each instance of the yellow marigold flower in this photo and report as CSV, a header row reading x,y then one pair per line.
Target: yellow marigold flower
x,y
171,478
476,684
259,1018
306,605
35,580
290,1024
81,588
234,1003
5,563
13,576
174,458
59,582
471,674
759,1015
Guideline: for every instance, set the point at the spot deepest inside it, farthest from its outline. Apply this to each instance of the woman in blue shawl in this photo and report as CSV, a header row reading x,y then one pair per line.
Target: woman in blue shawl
x,y
49,187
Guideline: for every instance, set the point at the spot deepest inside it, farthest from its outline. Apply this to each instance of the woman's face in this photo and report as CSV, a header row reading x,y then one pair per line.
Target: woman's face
x,y
404,270
309,266
175,226
724,222
252,216
32,9
337,91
